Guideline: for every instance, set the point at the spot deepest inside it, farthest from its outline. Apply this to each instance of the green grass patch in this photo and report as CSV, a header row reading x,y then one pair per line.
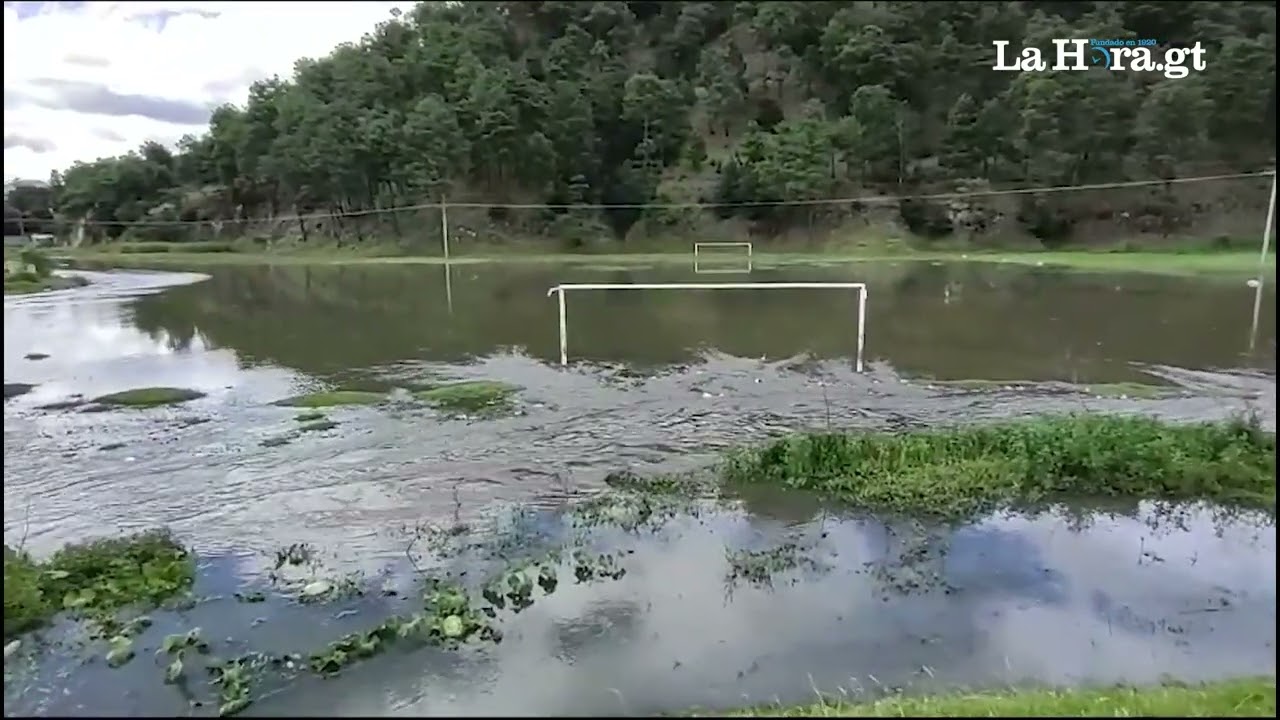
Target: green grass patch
x,y
471,396
95,579
1194,261
148,397
334,398
960,473
150,248
1246,697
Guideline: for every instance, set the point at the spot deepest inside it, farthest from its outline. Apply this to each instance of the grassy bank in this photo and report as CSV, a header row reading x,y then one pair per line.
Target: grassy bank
x,y
1191,262
30,271
960,473
1245,697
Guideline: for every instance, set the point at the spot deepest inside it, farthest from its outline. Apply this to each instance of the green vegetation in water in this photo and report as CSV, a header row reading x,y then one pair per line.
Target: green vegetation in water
x,y
311,416
449,616
961,472
1116,389
474,397
1243,697
95,579
684,485
29,270
758,567
334,398
317,425
148,397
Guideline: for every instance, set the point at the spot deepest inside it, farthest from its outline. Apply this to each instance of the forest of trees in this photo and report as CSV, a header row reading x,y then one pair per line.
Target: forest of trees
x,y
630,103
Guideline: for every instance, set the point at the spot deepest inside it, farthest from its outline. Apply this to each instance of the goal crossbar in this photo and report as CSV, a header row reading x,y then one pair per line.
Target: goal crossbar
x,y
561,290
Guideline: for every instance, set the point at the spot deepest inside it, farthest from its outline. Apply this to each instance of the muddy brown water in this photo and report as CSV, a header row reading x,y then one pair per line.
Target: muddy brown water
x,y
657,381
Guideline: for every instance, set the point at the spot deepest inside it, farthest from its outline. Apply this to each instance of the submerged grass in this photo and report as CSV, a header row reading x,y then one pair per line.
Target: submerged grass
x,y
1244,697
470,396
333,398
148,397
1116,389
958,473
94,579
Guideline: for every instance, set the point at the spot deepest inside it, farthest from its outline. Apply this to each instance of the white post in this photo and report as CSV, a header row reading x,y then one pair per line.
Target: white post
x,y
1262,265
1271,218
444,226
564,340
862,324
448,286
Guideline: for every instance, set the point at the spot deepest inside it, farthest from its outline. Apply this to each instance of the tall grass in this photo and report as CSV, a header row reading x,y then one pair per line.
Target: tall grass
x,y
957,472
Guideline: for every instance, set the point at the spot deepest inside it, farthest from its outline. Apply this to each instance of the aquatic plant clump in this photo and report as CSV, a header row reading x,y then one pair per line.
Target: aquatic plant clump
x,y
470,396
962,472
94,579
332,398
148,397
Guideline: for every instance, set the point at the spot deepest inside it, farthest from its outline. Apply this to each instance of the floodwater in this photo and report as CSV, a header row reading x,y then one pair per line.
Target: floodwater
x,y
657,381
1015,600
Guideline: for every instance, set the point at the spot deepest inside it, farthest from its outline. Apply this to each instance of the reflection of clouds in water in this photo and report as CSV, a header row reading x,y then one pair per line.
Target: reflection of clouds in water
x,y
77,333
94,349
1004,558
1126,621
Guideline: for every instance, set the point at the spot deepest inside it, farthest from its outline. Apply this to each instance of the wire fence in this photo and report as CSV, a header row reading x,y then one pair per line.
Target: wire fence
x,y
869,199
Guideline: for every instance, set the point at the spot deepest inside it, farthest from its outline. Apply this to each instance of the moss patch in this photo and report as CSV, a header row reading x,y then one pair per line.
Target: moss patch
x,y
471,396
963,472
332,398
95,579
148,397
1248,697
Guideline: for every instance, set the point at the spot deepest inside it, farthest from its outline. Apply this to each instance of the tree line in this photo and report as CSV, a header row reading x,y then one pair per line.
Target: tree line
x,y
742,103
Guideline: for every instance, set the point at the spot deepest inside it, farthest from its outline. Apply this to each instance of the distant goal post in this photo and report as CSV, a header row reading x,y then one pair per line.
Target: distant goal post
x,y
699,263
561,290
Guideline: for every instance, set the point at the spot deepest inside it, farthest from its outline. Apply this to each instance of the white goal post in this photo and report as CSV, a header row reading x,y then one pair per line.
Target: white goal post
x,y
561,290
697,257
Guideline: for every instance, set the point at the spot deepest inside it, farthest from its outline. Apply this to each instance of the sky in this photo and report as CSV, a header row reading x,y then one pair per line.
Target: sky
x,y
84,80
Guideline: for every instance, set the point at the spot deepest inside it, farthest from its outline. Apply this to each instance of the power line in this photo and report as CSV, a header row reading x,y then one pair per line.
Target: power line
x,y
869,199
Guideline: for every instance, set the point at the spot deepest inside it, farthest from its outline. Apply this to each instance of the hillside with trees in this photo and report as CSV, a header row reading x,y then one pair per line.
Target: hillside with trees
x,y
579,105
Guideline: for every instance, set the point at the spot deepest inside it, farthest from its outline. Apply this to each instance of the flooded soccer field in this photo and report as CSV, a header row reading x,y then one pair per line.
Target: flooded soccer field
x,y
313,535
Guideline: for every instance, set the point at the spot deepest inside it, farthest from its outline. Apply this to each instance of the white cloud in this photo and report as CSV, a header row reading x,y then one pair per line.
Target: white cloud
x,y
174,56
